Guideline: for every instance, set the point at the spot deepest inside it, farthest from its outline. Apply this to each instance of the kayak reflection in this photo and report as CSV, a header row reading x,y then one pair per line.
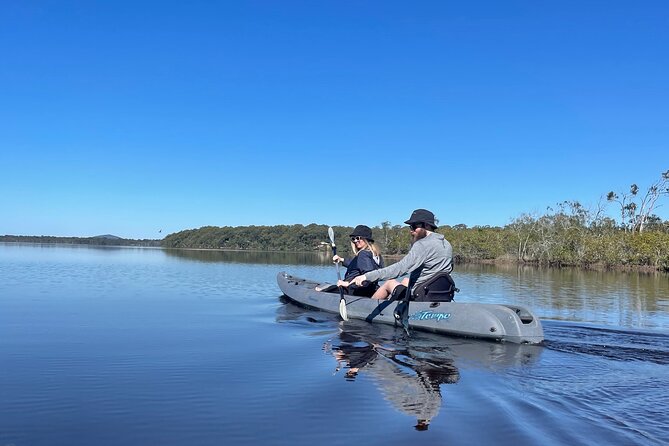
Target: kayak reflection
x,y
408,371
407,378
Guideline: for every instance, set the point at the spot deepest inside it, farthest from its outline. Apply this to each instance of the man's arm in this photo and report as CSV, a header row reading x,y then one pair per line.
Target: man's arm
x,y
414,259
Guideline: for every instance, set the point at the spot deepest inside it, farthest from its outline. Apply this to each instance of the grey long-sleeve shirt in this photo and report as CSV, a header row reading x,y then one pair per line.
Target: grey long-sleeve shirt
x,y
427,257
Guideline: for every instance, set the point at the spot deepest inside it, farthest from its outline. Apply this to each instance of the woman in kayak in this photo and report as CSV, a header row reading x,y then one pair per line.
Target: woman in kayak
x,y
367,257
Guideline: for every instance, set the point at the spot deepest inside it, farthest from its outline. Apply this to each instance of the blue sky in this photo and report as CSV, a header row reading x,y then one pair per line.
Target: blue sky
x,y
134,117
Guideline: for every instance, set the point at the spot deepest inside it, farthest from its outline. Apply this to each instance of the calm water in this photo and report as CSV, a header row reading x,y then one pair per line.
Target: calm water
x,y
131,346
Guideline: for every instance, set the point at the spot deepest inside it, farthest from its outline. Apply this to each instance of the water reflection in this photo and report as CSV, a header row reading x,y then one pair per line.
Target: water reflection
x,y
259,257
410,373
409,378
623,299
609,298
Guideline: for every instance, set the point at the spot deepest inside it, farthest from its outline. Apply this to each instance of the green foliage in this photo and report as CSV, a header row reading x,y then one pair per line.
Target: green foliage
x,y
265,238
477,243
566,236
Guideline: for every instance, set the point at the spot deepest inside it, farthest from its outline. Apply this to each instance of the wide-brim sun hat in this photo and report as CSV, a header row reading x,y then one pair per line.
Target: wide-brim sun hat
x,y
362,231
422,216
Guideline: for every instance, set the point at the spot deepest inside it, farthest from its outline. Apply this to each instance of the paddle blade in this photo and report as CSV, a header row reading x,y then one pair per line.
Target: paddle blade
x,y
331,235
342,309
401,314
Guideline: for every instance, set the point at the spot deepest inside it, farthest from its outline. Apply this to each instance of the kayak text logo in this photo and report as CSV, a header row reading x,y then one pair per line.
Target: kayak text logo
x,y
426,315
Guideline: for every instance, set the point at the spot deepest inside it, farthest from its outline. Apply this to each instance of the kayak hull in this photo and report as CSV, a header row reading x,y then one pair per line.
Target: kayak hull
x,y
508,323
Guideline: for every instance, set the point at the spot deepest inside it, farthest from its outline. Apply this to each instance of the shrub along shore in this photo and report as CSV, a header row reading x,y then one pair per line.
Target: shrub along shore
x,y
559,239
553,242
567,236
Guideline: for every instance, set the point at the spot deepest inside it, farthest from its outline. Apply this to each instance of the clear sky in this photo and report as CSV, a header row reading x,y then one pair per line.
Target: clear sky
x,y
134,117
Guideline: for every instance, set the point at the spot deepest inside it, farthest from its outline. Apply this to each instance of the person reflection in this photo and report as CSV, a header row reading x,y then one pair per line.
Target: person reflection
x,y
410,380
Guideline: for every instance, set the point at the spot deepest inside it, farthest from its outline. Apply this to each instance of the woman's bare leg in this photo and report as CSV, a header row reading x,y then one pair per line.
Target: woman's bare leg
x,y
385,289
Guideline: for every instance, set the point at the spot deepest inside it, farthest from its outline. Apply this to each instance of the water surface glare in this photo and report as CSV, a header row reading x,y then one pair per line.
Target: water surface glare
x,y
111,346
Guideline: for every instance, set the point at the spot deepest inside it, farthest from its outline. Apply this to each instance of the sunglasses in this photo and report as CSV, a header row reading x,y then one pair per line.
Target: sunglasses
x,y
356,239
415,226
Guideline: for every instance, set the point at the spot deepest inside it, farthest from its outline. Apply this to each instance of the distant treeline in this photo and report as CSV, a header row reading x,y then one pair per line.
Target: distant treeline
x,y
262,238
97,241
568,236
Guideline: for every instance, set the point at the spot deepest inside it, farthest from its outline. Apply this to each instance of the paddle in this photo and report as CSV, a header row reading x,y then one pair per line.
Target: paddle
x,y
342,299
401,312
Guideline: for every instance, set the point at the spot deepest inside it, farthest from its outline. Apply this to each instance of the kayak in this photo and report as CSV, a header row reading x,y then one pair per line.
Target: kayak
x,y
496,322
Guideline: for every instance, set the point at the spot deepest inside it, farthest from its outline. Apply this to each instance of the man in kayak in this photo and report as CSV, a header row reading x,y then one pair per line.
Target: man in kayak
x,y
430,255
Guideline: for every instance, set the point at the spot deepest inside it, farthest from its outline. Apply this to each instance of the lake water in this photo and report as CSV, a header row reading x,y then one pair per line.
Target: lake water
x,y
111,346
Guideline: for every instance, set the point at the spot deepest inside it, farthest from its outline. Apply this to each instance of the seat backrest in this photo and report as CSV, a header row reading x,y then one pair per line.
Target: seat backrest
x,y
440,288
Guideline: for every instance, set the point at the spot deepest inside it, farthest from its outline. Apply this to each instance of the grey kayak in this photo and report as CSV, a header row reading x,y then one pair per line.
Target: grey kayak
x,y
497,322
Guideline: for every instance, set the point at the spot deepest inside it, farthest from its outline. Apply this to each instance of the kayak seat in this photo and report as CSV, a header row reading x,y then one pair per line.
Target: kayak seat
x,y
366,290
398,293
440,288
327,288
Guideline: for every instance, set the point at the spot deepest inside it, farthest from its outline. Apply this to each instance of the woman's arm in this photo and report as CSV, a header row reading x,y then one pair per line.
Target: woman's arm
x,y
343,261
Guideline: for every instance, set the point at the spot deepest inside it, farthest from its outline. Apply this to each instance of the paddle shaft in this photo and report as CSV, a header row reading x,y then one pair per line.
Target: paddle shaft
x,y
341,290
401,312
334,253
342,299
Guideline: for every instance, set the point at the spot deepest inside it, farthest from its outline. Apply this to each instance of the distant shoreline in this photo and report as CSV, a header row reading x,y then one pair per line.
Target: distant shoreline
x,y
101,240
458,261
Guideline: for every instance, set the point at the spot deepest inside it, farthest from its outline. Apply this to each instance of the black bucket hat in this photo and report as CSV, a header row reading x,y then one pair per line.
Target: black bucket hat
x,y
422,216
362,231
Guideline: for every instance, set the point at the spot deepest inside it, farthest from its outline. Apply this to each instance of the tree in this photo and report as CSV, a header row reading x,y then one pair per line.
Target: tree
x,y
524,227
385,226
634,216
649,201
